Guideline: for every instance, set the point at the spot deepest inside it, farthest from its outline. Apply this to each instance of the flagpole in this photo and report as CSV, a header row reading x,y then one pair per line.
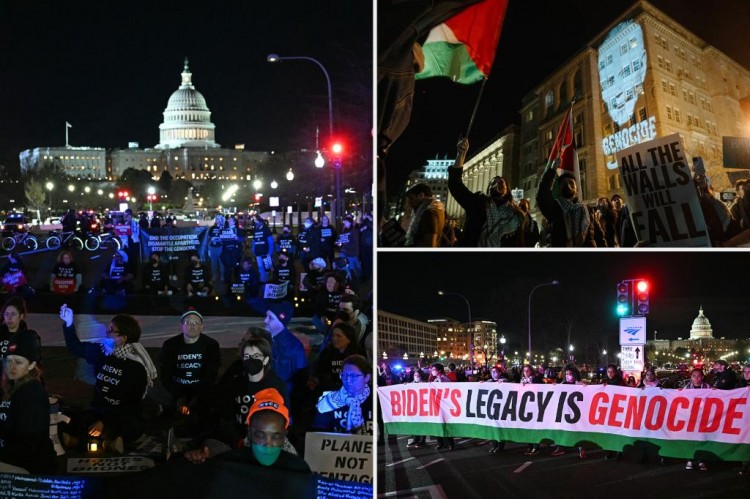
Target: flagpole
x,y
66,135
476,106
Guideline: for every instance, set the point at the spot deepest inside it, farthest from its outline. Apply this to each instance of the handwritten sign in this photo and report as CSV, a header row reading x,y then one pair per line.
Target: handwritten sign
x,y
275,291
340,456
659,190
109,464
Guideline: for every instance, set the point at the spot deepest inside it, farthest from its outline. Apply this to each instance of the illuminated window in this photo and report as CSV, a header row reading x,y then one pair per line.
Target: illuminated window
x,y
633,43
549,99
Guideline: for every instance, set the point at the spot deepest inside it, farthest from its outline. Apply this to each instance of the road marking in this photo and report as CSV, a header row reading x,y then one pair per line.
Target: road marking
x,y
464,440
405,436
435,491
433,462
399,462
522,467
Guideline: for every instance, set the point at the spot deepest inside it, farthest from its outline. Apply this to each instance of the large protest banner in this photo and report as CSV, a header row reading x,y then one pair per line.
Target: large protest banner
x,y
680,423
660,194
173,240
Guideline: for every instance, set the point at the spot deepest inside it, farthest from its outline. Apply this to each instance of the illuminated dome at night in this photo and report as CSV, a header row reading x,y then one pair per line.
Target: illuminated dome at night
x,y
701,327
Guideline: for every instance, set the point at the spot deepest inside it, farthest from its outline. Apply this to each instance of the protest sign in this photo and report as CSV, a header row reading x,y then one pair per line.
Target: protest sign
x,y
340,456
63,285
108,464
659,191
681,423
173,240
275,291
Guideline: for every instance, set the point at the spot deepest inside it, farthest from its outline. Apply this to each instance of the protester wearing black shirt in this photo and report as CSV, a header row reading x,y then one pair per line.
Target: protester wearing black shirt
x,y
214,247
118,279
309,243
197,278
231,250
24,410
66,277
328,238
124,370
287,243
155,276
263,247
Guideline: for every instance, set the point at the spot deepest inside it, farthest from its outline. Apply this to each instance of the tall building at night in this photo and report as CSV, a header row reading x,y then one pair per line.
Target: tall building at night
x,y
642,77
402,337
187,148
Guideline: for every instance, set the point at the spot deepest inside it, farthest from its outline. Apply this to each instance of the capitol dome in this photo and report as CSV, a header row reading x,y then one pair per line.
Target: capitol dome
x,y
701,327
187,119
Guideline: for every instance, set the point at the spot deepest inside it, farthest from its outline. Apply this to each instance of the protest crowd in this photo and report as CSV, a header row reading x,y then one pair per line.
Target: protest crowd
x,y
255,410
720,377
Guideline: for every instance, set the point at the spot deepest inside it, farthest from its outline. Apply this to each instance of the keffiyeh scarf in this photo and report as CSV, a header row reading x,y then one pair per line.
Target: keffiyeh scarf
x,y
502,221
577,221
336,400
136,352
427,204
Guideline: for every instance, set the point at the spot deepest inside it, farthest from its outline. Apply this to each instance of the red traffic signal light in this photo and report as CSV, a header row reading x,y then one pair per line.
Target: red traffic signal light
x,y
642,286
337,148
641,297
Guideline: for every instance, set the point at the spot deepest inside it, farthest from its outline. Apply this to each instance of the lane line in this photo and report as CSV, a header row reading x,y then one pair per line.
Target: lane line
x,y
430,463
399,462
522,467
464,440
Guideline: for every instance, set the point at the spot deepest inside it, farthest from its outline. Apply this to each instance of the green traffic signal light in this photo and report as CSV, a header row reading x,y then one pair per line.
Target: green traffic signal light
x,y
622,310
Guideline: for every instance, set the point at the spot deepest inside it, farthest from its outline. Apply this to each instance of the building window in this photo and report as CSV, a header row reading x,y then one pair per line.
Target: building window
x,y
549,99
668,65
626,70
633,43
623,49
642,114
689,119
664,86
636,65
677,117
672,89
669,113
660,61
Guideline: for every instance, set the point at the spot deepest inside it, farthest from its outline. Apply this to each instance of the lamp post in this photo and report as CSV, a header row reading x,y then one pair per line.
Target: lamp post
x,y
278,58
553,283
471,337
151,192
502,349
49,186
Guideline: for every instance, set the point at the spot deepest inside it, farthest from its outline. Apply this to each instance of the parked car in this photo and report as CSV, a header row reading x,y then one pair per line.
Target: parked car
x,y
14,223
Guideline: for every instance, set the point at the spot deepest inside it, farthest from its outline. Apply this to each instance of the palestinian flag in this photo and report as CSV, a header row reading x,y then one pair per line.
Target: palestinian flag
x,y
563,155
463,47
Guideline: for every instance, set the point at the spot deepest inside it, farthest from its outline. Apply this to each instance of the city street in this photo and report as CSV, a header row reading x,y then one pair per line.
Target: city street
x,y
470,471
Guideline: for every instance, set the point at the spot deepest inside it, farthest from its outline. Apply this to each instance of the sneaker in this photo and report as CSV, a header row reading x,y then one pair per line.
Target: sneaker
x,y
439,446
532,452
559,451
702,466
495,448
582,453
689,465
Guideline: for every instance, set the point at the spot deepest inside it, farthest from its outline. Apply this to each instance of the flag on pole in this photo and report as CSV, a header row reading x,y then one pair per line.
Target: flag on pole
x,y
463,47
563,155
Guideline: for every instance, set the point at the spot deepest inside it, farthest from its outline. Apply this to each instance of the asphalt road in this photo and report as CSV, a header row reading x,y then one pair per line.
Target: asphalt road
x,y
470,471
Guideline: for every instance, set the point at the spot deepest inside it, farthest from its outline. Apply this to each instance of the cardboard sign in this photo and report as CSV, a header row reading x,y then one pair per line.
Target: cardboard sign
x,y
63,286
275,291
632,358
122,464
659,190
392,234
340,456
12,280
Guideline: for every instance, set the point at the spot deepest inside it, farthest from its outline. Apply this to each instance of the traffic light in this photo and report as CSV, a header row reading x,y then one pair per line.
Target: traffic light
x,y
641,297
623,298
337,148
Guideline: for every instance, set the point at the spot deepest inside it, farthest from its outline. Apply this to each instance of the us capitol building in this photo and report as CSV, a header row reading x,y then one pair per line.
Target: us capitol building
x,y
701,340
187,148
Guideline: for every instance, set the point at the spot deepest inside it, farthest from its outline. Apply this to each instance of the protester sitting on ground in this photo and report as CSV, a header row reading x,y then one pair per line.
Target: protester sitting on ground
x,y
348,409
124,371
331,360
315,279
284,272
118,278
309,243
14,315
197,278
24,412
236,390
156,276
188,367
289,358
327,304
66,277
248,280
267,423
13,277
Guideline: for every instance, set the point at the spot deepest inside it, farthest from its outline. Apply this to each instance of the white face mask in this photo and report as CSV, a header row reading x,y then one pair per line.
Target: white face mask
x,y
569,378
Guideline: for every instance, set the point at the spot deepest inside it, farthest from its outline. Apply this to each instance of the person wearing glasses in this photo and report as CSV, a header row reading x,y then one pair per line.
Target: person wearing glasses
x,y
124,370
188,367
349,409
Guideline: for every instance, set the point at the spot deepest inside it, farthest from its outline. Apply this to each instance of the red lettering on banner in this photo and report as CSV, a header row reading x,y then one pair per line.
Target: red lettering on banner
x,y
694,414
677,403
455,398
616,409
425,409
597,415
732,414
435,396
411,403
711,418
395,403
656,424
634,414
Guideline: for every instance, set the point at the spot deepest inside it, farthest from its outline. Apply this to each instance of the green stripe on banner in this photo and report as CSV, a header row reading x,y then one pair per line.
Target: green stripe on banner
x,y
451,60
708,450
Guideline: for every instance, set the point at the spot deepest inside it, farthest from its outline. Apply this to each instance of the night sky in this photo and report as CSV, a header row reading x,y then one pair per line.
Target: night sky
x,y
537,38
109,68
497,286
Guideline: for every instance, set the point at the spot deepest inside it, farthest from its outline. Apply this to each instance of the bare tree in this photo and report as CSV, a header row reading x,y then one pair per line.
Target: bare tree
x,y
35,194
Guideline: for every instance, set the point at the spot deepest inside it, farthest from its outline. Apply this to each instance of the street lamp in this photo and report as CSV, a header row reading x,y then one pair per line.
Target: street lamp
x,y
49,186
290,175
277,58
471,337
319,161
502,349
553,283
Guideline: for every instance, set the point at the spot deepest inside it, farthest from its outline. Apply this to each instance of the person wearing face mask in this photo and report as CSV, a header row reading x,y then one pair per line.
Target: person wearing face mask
x,y
238,386
328,238
286,243
497,376
197,278
24,412
124,370
188,367
492,219
416,441
155,276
